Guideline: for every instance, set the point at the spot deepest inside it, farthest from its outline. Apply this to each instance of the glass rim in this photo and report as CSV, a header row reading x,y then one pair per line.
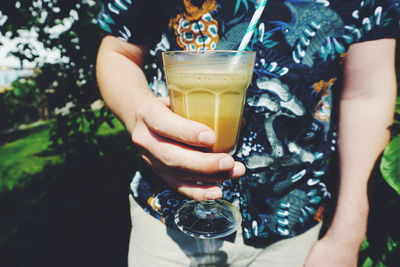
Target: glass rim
x,y
206,52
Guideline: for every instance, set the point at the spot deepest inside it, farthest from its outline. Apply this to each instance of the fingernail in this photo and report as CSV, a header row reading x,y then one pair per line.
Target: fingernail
x,y
238,170
226,164
213,193
207,137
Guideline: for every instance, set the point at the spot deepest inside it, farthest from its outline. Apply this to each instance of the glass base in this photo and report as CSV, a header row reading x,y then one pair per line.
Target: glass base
x,y
208,219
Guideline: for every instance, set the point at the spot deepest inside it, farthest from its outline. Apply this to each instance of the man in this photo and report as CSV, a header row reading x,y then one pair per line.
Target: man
x,y
314,58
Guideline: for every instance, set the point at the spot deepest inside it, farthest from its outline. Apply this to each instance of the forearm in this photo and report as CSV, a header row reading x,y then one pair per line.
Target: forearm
x,y
363,134
165,140
121,80
366,113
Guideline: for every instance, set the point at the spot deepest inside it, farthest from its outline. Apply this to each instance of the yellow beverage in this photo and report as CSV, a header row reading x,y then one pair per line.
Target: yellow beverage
x,y
214,97
210,87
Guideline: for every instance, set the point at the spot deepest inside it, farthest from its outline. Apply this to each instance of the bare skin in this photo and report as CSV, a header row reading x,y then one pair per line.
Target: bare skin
x,y
367,108
163,137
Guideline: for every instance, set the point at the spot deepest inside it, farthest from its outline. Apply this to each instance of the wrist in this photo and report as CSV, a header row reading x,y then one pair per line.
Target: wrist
x,y
345,240
351,215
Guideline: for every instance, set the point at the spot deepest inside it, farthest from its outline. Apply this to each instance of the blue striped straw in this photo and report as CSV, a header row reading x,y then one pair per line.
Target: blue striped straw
x,y
253,24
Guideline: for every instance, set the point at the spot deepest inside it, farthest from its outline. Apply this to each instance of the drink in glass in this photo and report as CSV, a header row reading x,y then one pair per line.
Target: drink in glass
x,y
210,87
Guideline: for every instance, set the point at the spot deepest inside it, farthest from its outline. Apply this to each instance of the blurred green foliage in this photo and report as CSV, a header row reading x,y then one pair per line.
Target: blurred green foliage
x,y
29,153
24,103
390,166
75,213
72,79
24,157
382,244
70,214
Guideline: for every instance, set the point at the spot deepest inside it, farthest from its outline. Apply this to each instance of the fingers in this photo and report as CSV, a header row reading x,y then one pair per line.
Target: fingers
x,y
203,192
186,183
200,193
161,120
166,141
175,180
237,171
178,156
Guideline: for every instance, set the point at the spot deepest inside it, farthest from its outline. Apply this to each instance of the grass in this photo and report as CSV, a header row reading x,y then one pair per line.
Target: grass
x,y
30,154
65,212
24,157
106,130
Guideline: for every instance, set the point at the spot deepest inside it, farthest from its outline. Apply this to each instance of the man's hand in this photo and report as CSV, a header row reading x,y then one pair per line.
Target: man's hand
x,y
168,145
328,252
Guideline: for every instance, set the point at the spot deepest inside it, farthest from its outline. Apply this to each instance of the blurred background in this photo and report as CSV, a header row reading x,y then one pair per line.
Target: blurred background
x,y
66,161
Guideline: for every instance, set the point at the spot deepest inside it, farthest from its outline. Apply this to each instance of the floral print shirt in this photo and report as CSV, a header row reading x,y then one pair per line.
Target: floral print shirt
x,y
289,137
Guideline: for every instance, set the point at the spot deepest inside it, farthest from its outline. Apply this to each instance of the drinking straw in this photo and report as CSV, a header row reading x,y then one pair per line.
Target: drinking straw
x,y
253,24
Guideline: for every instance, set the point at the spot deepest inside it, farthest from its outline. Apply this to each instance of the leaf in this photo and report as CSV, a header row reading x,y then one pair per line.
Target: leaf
x,y
17,91
398,105
364,245
390,164
391,244
368,262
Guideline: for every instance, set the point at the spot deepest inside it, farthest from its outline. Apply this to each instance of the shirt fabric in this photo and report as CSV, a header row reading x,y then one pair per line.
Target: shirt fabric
x,y
289,136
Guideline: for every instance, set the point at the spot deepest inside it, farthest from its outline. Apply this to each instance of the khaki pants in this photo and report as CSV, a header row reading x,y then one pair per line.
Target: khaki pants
x,y
153,244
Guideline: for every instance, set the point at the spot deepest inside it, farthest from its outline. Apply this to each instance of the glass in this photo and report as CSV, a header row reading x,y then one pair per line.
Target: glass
x,y
210,87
